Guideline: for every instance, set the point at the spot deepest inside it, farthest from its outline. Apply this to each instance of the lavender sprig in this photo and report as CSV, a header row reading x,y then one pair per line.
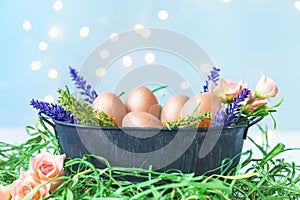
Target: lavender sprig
x,y
52,110
233,109
80,83
219,118
214,76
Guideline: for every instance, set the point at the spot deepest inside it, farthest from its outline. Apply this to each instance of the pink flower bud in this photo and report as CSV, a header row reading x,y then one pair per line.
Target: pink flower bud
x,y
266,88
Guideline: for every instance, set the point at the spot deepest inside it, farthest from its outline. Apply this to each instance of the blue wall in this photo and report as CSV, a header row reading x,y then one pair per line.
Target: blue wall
x,y
244,38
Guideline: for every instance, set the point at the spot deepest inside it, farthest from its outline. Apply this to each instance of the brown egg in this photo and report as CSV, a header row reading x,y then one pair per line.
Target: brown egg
x,y
171,110
141,119
112,105
209,102
142,99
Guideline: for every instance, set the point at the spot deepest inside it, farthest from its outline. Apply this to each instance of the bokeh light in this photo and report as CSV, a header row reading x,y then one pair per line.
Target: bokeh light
x,y
53,32
27,25
138,28
163,15
205,68
114,37
36,65
104,53
52,74
127,61
185,85
150,58
101,71
297,5
43,46
146,33
58,5
49,99
84,31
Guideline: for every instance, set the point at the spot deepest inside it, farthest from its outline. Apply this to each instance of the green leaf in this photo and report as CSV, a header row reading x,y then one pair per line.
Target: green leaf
x,y
278,104
159,88
258,146
279,148
121,94
260,111
189,121
83,111
68,91
69,195
274,121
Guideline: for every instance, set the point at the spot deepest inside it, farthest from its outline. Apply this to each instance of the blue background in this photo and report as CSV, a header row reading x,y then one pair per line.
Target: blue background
x,y
244,38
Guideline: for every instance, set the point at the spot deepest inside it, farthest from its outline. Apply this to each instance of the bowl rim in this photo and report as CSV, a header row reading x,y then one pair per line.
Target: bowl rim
x,y
148,128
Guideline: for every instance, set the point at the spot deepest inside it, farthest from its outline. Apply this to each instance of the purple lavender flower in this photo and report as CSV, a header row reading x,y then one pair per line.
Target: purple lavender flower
x,y
80,83
214,76
219,118
233,109
52,110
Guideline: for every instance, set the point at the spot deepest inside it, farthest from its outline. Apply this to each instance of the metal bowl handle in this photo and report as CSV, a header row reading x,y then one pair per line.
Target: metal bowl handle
x,y
45,119
251,124
255,121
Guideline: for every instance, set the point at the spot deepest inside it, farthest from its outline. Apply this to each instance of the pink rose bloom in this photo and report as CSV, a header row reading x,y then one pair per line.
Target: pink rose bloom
x,y
266,88
228,89
20,188
46,167
4,193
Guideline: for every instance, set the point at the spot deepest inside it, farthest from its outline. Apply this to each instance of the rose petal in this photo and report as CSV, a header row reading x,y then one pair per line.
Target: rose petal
x,y
4,193
266,88
46,166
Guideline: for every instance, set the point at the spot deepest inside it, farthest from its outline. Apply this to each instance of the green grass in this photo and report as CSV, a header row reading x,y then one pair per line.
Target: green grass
x,y
269,177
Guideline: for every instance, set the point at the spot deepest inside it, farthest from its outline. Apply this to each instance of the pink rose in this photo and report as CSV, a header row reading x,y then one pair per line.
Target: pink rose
x,y
253,103
228,89
20,188
4,193
46,167
266,88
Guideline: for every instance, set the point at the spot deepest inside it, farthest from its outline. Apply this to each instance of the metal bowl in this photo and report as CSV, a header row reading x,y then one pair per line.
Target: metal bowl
x,y
190,150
